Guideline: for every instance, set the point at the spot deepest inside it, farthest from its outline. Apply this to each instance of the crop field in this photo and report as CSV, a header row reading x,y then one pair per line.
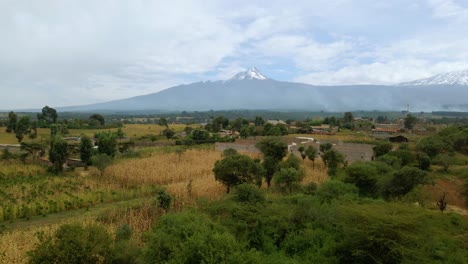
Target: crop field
x,y
130,130
29,193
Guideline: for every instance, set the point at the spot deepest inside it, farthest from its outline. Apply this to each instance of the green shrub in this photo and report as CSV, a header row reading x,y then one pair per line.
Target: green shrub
x,y
248,193
73,243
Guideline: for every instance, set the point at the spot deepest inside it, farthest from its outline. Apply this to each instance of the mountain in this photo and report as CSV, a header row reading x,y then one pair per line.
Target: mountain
x,y
250,74
449,78
253,90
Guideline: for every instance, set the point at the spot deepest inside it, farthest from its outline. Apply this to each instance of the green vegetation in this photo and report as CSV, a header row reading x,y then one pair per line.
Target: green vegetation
x,y
319,209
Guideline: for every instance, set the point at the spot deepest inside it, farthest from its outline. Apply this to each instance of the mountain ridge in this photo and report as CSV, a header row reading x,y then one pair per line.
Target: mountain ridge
x,y
251,89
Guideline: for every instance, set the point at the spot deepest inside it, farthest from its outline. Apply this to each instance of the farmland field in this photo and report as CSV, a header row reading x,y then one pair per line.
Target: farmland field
x,y
29,193
130,130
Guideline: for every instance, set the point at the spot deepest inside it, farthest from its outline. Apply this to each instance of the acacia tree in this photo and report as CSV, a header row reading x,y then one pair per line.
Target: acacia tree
x,y
273,150
58,153
234,170
86,150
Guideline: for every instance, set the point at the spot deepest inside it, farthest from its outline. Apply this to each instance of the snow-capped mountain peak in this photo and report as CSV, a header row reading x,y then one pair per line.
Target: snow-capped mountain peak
x,y
249,74
449,78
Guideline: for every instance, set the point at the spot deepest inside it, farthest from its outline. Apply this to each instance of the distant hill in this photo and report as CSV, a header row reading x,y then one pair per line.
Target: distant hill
x,y
253,90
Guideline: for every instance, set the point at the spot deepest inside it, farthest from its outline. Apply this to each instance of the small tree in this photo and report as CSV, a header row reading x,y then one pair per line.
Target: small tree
x,y
97,118
442,203
12,120
168,133
288,178
311,153
301,150
245,132
120,133
101,161
382,149
364,176
229,152
404,181
86,150
33,148
47,116
107,144
22,128
410,121
179,151
163,122
325,147
58,153
164,200
332,160
273,150
234,170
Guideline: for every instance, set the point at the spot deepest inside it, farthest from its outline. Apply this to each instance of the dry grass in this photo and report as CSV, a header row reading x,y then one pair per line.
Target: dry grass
x,y
193,169
315,172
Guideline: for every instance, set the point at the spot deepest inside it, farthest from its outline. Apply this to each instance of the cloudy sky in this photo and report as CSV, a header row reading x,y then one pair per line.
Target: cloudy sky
x,y
63,52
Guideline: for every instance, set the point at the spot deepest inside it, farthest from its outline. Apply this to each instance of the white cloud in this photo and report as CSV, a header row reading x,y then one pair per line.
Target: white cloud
x,y
78,52
392,72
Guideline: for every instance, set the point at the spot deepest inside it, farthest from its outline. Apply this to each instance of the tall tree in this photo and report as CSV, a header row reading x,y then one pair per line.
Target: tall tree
x,y
333,159
58,153
234,170
86,150
12,120
33,133
311,153
410,121
47,116
107,144
274,150
259,121
22,128
97,118
163,122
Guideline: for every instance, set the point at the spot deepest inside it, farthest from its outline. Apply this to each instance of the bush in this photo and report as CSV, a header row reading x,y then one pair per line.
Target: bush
x,y
190,237
73,243
334,190
248,193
